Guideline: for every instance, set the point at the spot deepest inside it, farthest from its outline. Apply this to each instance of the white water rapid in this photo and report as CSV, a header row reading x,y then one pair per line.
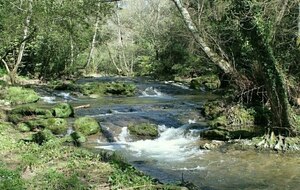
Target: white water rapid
x,y
173,144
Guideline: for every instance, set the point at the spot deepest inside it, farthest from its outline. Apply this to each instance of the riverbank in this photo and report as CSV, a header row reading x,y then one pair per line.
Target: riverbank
x,y
54,165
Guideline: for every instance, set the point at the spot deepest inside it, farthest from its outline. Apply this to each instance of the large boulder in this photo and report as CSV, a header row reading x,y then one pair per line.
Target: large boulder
x,y
144,130
230,122
55,125
86,126
23,113
63,110
20,95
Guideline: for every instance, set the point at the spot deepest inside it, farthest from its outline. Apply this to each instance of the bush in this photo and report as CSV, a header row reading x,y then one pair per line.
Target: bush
x,y
10,180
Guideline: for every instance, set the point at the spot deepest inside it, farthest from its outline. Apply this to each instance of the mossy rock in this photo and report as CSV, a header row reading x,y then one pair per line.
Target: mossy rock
x,y
77,138
20,95
231,116
86,126
66,86
144,130
113,88
210,82
32,111
23,113
93,88
117,88
216,134
43,136
23,127
55,125
63,110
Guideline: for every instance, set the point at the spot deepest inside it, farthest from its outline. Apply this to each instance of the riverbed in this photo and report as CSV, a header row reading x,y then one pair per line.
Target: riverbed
x,y
175,156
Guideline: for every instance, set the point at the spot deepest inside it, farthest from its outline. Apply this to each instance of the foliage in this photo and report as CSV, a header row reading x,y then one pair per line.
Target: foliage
x,y
10,180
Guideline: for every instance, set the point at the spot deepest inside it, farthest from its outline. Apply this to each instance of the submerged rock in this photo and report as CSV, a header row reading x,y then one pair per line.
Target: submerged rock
x,y
63,110
20,95
86,126
144,130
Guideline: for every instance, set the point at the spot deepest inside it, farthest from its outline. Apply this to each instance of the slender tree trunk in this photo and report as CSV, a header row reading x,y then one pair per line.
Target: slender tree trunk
x,y
72,53
213,56
298,40
113,60
274,77
279,18
122,57
13,72
93,43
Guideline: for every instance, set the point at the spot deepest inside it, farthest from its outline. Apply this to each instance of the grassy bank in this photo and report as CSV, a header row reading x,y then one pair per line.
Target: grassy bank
x,y
54,165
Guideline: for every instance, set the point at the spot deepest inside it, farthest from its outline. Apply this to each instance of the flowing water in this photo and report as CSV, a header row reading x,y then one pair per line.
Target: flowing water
x,y
174,156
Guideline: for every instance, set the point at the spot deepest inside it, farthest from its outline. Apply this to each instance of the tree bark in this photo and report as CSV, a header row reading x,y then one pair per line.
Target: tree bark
x,y
225,65
13,72
298,40
93,43
274,77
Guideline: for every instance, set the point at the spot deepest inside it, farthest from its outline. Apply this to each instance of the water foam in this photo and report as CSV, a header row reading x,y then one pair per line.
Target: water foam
x,y
49,99
152,92
173,144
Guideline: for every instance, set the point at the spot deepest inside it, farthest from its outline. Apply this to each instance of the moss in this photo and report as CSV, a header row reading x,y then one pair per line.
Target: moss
x,y
63,110
55,125
86,126
213,109
43,136
210,82
117,88
113,88
3,116
23,127
32,111
216,134
144,130
20,95
219,121
66,85
77,138
11,179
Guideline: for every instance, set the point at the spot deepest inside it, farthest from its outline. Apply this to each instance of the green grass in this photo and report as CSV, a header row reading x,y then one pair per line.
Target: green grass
x,y
57,166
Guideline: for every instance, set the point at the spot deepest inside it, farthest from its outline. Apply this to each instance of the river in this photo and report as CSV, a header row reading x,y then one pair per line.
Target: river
x,y
175,155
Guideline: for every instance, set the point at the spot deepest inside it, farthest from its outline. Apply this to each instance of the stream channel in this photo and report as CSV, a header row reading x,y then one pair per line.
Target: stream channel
x,y
175,154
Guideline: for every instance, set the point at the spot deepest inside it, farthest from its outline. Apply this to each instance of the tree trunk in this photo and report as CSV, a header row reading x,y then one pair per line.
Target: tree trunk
x,y
213,56
274,77
93,44
13,72
298,40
